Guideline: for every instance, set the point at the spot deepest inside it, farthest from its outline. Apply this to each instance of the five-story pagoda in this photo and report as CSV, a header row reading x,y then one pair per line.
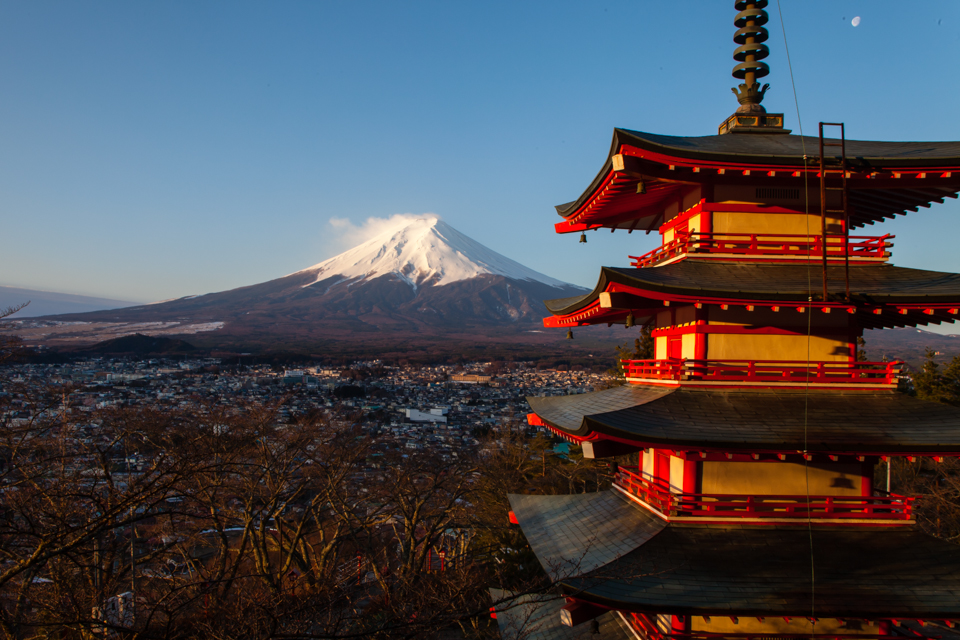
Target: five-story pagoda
x,y
753,512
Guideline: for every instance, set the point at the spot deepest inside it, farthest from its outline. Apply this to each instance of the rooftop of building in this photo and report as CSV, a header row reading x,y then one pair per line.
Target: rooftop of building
x,y
886,178
863,572
703,419
537,617
711,282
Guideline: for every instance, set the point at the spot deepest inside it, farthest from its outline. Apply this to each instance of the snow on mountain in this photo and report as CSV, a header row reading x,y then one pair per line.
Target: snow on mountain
x,y
424,252
378,295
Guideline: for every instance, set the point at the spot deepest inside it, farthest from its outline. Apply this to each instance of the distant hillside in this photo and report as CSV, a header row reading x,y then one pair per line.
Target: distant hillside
x,y
140,345
46,303
909,345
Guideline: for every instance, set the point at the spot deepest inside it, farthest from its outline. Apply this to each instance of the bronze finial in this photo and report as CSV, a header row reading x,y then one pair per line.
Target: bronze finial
x,y
750,36
751,117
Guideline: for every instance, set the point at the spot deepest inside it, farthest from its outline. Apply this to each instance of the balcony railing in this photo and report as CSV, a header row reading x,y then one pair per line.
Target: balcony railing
x,y
669,369
732,506
768,246
777,372
649,630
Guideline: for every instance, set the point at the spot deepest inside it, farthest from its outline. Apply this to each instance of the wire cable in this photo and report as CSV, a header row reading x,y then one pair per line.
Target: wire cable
x,y
806,389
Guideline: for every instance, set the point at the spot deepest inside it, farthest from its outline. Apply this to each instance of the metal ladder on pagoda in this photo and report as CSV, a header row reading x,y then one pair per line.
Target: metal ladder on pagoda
x,y
833,179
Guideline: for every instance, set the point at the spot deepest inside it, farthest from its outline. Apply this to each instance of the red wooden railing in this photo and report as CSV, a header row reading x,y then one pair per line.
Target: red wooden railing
x,y
766,245
655,495
769,371
669,369
649,630
703,505
706,635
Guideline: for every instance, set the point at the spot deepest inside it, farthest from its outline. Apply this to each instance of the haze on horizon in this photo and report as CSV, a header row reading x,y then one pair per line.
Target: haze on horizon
x,y
155,151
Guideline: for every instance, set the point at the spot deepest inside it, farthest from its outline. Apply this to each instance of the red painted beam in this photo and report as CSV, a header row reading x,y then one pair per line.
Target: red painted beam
x,y
577,612
534,420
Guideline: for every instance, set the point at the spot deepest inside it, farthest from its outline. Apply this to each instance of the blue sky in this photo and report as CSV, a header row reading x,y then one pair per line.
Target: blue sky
x,y
150,150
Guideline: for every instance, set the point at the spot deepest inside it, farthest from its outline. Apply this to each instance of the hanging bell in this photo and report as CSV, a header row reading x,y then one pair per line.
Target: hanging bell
x,y
583,238
629,322
569,334
641,187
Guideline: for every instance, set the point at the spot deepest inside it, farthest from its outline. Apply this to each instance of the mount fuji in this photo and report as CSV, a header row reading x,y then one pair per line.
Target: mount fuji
x,y
423,278
424,252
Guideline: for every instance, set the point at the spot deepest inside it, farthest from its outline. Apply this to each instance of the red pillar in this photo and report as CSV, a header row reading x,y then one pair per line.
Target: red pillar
x,y
866,472
690,468
661,468
679,624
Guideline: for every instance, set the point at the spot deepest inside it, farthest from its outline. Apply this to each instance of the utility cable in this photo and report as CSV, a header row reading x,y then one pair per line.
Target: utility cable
x,y
806,389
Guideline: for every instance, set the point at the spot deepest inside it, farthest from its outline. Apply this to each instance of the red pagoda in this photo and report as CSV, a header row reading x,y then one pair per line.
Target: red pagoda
x,y
752,512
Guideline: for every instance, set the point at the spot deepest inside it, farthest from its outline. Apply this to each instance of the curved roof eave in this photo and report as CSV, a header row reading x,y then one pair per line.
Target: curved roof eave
x,y
872,284
566,209
603,548
862,422
862,572
770,150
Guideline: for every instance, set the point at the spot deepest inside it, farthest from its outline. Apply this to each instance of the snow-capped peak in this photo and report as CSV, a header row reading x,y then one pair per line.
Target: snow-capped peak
x,y
424,252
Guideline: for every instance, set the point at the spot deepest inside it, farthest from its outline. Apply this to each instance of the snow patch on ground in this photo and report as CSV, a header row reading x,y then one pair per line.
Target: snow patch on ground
x,y
200,327
88,332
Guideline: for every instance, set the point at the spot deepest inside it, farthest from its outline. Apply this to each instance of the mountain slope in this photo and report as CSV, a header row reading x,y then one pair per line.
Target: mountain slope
x,y
421,279
424,252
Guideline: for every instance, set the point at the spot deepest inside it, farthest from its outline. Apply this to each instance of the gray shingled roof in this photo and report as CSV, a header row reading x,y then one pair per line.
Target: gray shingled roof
x,y
791,148
766,420
575,534
774,282
860,572
532,617
776,149
713,570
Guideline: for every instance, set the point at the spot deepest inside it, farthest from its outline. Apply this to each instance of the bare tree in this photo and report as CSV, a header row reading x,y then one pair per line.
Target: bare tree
x,y
10,344
226,522
71,507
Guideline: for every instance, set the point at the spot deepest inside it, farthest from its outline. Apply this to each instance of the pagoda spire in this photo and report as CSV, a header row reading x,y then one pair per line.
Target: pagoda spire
x,y
750,36
751,117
